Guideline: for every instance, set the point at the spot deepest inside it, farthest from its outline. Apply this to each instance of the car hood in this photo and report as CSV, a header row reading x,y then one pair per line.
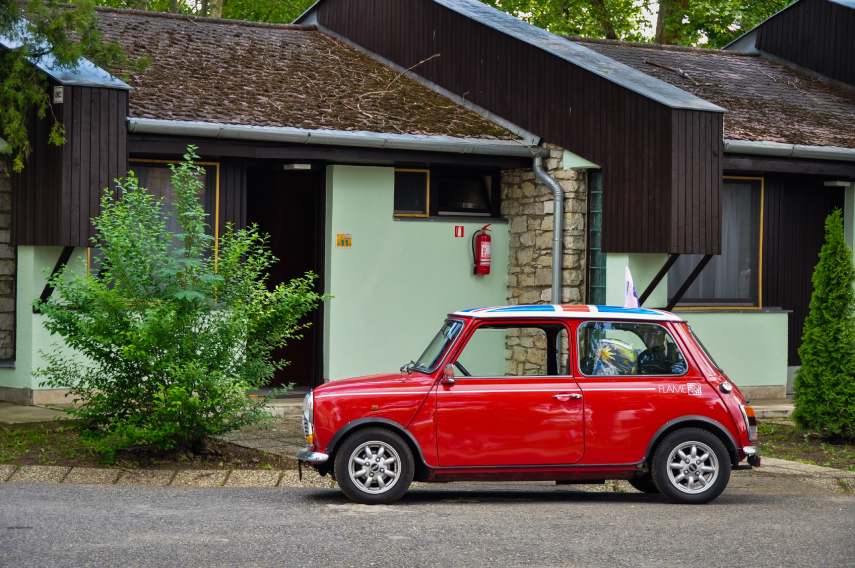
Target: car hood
x,y
375,382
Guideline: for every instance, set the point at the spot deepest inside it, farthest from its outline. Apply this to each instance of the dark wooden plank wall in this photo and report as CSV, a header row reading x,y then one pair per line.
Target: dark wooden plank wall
x,y
794,217
630,136
816,34
36,192
60,190
233,185
696,169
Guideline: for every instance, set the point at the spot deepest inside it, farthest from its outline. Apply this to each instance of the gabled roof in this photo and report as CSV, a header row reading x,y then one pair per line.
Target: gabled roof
x,y
568,311
766,100
579,55
242,73
84,74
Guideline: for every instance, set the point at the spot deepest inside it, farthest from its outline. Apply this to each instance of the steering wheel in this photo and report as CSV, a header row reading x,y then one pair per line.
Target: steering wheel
x,y
462,369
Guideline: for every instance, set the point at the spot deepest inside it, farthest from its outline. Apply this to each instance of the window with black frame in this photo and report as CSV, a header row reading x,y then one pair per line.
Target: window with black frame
x,y
733,277
446,193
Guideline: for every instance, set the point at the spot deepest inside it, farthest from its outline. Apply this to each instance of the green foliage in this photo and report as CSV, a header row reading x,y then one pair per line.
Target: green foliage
x,y
173,337
275,11
825,384
711,23
611,19
705,23
68,32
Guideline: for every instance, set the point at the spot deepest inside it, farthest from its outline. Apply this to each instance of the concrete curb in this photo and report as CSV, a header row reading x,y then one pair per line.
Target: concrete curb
x,y
286,478
49,474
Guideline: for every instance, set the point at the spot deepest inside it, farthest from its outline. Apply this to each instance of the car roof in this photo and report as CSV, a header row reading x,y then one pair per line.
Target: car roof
x,y
579,311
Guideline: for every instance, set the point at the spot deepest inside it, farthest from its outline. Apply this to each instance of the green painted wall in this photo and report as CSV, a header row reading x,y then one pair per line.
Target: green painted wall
x,y
31,338
393,288
750,346
643,267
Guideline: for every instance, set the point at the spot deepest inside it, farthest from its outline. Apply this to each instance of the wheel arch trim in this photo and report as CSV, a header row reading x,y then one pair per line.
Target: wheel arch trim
x,y
368,422
717,427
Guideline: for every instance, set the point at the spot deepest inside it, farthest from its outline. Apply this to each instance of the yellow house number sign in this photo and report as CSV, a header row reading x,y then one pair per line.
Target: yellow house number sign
x,y
344,240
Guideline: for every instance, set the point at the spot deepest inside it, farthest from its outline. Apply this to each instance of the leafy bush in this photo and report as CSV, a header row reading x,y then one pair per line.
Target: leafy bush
x,y
825,384
173,335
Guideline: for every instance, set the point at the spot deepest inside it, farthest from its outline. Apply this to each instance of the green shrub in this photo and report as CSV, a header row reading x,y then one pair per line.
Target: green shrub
x,y
173,335
825,384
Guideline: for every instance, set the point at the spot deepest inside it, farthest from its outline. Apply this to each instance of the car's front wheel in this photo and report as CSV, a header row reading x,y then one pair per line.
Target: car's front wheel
x,y
691,465
374,466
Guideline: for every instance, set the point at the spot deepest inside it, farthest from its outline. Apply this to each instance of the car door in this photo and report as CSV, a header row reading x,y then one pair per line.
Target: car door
x,y
513,400
635,378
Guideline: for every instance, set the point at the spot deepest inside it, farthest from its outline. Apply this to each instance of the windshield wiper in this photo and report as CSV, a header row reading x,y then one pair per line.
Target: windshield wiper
x,y
408,367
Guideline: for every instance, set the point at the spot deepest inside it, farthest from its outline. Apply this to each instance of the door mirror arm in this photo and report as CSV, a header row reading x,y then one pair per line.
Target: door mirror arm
x,y
448,375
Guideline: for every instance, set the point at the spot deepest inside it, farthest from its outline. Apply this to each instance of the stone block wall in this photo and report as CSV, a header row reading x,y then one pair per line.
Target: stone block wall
x,y
7,271
528,207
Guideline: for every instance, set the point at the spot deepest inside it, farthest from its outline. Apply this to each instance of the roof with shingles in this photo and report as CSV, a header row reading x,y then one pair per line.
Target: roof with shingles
x,y
766,100
246,73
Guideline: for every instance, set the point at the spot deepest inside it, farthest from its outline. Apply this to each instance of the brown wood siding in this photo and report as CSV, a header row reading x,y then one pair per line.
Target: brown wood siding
x,y
816,34
232,194
628,135
59,192
794,218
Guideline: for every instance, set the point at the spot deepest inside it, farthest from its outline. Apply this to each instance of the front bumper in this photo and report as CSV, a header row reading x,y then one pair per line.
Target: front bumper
x,y
309,456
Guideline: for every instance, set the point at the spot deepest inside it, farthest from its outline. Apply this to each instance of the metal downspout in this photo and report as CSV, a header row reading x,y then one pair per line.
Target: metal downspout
x,y
557,226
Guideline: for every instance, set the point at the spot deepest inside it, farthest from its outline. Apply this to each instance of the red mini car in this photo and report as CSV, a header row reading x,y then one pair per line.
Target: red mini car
x,y
542,392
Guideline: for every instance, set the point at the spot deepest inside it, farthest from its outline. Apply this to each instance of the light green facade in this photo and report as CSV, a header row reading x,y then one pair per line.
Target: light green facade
x,y
393,287
31,338
750,346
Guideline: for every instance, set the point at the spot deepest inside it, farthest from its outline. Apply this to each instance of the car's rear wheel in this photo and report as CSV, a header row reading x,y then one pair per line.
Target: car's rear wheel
x,y
374,466
691,465
644,484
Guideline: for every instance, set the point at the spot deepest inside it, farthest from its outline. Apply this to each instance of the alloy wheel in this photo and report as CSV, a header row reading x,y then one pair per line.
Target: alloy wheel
x,y
374,467
692,467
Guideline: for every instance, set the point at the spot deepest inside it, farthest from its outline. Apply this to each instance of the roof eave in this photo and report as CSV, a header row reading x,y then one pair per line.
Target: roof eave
x,y
783,150
344,138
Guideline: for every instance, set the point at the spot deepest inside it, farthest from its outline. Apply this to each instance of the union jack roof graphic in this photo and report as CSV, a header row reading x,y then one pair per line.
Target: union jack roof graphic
x,y
569,310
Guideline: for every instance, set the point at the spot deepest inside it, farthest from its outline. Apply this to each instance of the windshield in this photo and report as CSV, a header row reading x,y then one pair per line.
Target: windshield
x,y
438,346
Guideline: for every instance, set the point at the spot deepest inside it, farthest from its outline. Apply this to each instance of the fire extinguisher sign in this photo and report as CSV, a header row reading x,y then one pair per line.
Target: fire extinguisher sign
x,y
458,231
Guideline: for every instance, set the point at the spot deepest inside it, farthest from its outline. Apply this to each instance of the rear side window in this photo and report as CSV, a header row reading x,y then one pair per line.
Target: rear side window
x,y
628,349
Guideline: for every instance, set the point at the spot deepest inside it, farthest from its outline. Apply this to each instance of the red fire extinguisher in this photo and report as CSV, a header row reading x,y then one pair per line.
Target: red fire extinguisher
x,y
482,250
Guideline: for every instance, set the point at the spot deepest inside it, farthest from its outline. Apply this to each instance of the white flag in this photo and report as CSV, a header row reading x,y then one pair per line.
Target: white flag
x,y
630,296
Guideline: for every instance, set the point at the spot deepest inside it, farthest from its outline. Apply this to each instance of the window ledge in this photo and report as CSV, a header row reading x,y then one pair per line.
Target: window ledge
x,y
456,219
729,310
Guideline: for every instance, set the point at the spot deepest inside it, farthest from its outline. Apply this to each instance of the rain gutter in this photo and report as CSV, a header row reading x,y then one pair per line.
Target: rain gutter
x,y
359,139
789,150
557,225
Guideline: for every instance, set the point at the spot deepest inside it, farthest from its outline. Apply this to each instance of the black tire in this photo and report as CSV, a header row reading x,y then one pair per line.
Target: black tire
x,y
401,482
644,484
702,440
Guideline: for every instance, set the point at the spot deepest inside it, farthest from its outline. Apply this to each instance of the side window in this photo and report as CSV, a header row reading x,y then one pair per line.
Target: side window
x,y
515,351
627,348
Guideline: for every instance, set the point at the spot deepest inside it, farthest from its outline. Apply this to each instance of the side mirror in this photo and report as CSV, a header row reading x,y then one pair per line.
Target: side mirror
x,y
448,375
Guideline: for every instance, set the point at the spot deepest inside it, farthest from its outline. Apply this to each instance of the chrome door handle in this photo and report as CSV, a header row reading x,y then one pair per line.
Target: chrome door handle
x,y
564,396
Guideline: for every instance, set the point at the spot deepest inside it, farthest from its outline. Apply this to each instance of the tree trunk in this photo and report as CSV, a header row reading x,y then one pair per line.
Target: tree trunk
x,y
215,8
604,19
669,20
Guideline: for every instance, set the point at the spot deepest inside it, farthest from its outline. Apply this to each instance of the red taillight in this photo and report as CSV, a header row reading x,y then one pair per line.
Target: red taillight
x,y
750,421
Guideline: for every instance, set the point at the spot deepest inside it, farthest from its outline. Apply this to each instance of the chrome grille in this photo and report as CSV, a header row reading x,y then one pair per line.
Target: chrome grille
x,y
305,426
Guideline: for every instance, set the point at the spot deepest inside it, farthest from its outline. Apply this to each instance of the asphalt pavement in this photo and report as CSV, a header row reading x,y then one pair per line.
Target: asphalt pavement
x,y
758,521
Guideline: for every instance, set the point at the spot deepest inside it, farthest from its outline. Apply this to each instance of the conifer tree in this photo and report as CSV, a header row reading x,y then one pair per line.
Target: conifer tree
x,y
825,384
